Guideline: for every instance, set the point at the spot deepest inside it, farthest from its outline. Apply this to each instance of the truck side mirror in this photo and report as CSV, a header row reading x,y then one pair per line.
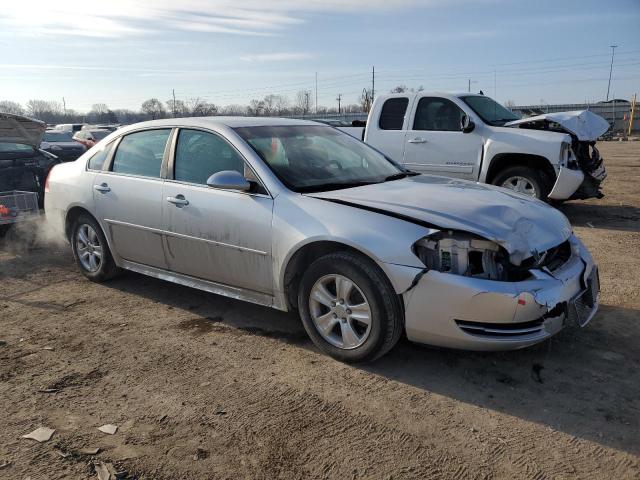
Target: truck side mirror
x,y
466,124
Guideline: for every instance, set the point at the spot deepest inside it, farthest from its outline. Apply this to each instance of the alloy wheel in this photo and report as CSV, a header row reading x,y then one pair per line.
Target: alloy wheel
x,y
340,311
88,248
521,185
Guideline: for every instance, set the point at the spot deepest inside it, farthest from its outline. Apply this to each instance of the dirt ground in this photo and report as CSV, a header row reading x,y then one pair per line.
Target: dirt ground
x,y
202,386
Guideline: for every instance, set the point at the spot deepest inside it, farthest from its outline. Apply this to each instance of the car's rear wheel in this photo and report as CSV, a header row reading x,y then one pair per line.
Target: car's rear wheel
x,y
349,308
525,180
91,250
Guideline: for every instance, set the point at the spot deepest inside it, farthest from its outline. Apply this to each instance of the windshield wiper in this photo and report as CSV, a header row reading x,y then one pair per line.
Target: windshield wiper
x,y
399,175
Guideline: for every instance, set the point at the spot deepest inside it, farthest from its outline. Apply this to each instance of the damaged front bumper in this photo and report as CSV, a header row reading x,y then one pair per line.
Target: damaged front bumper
x,y
476,314
574,184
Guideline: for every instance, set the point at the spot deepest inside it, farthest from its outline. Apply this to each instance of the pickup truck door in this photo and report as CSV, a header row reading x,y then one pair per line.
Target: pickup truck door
x,y
434,141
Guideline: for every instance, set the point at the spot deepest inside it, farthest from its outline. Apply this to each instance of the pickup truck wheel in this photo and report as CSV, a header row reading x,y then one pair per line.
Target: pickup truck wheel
x,y
91,250
348,307
524,180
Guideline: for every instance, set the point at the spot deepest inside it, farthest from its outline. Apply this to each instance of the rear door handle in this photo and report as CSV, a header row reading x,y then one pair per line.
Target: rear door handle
x,y
418,140
178,200
103,188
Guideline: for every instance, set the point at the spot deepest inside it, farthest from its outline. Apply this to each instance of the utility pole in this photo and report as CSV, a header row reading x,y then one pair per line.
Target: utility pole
x,y
469,85
316,93
173,92
613,51
339,99
64,106
373,82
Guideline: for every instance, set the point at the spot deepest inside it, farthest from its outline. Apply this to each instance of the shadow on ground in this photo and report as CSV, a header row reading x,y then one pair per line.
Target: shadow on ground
x,y
611,217
550,384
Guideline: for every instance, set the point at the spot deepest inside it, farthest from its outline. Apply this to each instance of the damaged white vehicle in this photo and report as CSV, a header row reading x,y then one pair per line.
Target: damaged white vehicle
x,y
302,217
551,157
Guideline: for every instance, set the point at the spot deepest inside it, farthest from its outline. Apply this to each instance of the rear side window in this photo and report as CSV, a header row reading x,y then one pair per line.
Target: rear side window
x,y
200,154
141,153
392,114
97,161
440,114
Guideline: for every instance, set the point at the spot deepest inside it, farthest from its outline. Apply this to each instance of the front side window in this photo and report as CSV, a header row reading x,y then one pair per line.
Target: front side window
x,y
141,153
439,114
489,110
97,161
201,154
392,113
318,158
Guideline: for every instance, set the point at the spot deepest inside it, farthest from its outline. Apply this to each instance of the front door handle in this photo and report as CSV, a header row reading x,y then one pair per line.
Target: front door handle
x,y
418,140
178,201
103,188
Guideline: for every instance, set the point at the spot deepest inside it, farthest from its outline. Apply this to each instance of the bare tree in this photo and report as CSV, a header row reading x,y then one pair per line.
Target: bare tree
x,y
45,110
7,106
510,104
303,102
399,89
366,100
177,108
153,108
256,108
234,109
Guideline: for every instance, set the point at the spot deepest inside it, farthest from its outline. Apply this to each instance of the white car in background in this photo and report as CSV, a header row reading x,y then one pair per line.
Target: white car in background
x,y
299,216
470,136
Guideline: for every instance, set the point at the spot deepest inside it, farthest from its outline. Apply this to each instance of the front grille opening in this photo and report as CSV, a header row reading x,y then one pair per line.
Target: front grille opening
x,y
501,329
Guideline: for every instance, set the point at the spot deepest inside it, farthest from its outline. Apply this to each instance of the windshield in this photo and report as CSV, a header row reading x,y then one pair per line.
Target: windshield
x,y
318,158
57,137
100,134
489,110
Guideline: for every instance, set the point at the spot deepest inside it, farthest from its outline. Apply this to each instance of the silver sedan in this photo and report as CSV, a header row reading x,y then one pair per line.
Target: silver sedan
x,y
300,216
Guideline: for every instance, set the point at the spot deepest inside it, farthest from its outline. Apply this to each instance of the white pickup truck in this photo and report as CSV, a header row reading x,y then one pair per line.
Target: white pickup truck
x,y
470,136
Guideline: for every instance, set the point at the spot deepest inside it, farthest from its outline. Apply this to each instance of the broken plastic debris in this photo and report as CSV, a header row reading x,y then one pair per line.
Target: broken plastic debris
x,y
48,348
5,464
105,471
108,428
89,451
48,390
42,434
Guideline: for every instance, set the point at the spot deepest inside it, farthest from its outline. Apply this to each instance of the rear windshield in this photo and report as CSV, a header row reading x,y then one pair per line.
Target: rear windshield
x,y
100,134
57,137
15,147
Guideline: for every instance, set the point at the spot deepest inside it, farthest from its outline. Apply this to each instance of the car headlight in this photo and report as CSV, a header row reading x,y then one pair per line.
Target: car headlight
x,y
465,254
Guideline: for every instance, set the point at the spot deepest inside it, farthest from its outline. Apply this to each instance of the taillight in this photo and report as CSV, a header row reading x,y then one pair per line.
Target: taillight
x,y
46,182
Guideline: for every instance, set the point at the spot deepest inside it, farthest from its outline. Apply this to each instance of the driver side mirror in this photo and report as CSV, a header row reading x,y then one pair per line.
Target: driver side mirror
x,y
466,124
229,180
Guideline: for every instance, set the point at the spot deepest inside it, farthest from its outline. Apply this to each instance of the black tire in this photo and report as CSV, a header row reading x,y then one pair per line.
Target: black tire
x,y
107,268
537,178
387,320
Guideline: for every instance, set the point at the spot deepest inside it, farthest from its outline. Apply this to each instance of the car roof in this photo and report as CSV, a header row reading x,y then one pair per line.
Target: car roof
x,y
232,122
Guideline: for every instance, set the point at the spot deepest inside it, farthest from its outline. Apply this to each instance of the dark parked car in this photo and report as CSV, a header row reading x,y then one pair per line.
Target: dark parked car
x,y
89,138
62,145
23,166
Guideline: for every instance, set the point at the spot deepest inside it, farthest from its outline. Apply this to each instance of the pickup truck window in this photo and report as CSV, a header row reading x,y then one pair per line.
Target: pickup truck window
x,y
392,114
434,113
489,110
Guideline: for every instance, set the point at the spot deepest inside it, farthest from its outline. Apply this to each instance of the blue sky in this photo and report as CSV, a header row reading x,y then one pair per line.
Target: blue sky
x,y
121,52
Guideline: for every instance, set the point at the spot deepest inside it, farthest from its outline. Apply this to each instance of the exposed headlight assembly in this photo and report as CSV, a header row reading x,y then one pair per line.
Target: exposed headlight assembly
x,y
461,253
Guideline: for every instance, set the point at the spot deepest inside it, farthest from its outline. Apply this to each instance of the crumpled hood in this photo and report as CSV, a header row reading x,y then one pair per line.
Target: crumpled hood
x,y
521,225
585,125
19,129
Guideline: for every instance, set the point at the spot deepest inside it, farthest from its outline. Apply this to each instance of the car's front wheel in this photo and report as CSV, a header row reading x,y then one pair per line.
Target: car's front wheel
x,y
91,251
349,308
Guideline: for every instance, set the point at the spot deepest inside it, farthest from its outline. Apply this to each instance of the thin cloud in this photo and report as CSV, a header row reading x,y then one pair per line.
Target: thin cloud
x,y
276,57
118,18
